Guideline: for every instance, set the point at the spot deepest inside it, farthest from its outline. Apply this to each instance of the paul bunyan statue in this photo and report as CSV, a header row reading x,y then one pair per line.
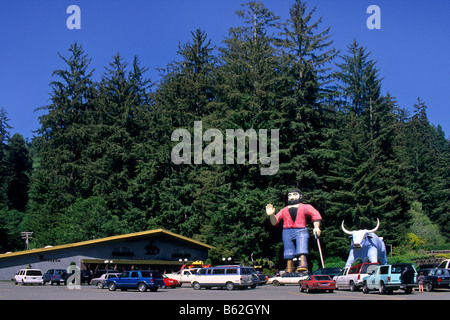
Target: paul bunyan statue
x,y
295,217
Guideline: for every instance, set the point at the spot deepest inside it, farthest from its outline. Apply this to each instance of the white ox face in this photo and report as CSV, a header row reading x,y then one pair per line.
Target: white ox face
x,y
358,236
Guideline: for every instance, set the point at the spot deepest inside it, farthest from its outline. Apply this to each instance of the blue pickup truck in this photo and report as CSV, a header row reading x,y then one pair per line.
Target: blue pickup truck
x,y
387,278
139,279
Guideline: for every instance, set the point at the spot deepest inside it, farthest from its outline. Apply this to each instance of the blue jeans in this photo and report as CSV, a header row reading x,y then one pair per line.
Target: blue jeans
x,y
295,242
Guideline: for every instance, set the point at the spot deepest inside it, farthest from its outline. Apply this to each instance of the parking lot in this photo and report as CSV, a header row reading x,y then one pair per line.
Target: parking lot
x,y
9,291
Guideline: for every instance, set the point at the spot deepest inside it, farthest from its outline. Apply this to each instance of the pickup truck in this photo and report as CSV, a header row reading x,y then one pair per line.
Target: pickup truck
x,y
444,264
352,277
183,276
387,278
140,279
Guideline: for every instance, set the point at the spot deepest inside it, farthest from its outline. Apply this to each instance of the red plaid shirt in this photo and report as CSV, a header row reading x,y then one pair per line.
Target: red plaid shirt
x,y
304,212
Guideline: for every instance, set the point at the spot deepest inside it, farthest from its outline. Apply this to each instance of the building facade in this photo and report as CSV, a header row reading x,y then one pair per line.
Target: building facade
x,y
154,249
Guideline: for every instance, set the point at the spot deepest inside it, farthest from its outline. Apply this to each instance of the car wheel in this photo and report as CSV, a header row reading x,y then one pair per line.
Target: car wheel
x,y
365,288
142,287
308,290
353,287
382,288
429,287
300,289
100,285
230,285
275,283
196,286
112,286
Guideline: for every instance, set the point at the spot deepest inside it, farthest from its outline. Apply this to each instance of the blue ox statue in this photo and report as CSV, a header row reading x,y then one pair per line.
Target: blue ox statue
x,y
366,245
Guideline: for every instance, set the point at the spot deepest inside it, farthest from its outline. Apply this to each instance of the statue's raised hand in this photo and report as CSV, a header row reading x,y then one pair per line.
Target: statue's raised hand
x,y
270,209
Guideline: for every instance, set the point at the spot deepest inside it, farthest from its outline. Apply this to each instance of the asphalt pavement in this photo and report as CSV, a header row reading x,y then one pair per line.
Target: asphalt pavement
x,y
9,291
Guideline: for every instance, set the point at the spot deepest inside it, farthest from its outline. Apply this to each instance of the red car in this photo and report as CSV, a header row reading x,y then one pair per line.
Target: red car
x,y
316,282
172,283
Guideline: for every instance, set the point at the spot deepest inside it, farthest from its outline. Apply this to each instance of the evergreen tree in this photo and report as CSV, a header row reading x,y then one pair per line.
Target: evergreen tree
x,y
63,134
4,136
122,113
19,171
367,178
306,120
428,156
11,222
186,94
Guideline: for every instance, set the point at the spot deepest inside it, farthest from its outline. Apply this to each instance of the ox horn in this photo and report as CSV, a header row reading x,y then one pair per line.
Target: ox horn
x,y
345,230
376,228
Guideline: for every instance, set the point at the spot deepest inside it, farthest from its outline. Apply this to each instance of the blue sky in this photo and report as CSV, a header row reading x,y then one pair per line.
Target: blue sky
x,y
411,48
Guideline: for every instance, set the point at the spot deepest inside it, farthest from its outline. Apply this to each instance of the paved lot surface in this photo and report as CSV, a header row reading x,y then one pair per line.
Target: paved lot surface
x,y
263,302
9,291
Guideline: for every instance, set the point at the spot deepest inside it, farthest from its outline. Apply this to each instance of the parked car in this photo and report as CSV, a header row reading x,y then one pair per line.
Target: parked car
x,y
436,278
288,278
352,277
262,279
224,276
56,276
86,276
387,278
183,276
140,280
28,276
315,282
328,271
100,282
170,283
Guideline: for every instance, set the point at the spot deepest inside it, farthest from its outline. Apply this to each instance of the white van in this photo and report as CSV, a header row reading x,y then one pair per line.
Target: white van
x,y
224,276
29,276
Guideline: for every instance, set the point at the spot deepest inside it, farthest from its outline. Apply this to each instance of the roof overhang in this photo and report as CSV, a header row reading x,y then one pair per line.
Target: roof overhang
x,y
129,236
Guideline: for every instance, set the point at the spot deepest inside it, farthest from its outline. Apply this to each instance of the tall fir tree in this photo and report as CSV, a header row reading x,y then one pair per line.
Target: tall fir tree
x,y
4,136
19,168
62,138
367,178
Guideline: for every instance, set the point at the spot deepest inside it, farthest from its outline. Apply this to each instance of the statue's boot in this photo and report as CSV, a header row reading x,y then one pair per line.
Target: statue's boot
x,y
290,267
303,266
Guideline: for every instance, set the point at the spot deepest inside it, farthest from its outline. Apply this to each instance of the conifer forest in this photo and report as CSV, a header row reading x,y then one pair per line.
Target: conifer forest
x,y
100,163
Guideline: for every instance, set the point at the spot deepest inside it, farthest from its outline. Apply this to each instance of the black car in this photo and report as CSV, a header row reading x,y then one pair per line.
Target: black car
x,y
86,276
436,278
